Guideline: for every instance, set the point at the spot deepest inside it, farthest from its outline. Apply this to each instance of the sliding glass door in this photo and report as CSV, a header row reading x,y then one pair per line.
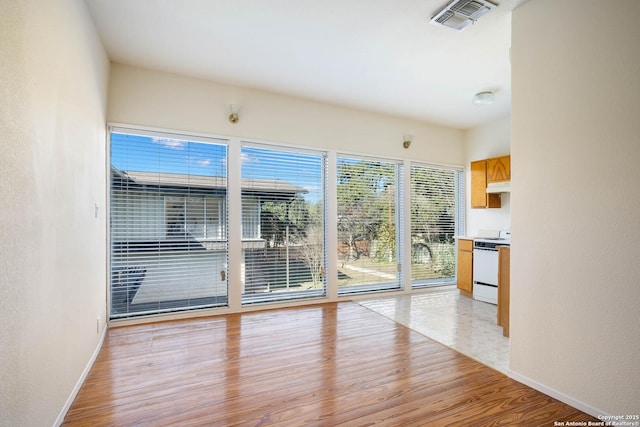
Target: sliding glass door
x,y
283,227
437,216
168,211
368,214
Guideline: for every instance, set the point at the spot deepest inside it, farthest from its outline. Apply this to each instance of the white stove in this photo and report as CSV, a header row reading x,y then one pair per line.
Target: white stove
x,y
485,263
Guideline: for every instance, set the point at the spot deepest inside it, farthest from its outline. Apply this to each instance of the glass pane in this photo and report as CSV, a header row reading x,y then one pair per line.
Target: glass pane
x,y
250,217
283,224
367,237
175,215
168,224
433,227
215,214
195,217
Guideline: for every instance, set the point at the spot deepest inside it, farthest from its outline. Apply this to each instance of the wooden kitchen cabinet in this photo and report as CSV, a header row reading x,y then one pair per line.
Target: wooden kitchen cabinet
x,y
499,169
479,196
504,285
465,266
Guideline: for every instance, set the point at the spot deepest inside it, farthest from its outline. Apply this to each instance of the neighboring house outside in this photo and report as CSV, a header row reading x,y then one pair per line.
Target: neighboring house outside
x,y
169,238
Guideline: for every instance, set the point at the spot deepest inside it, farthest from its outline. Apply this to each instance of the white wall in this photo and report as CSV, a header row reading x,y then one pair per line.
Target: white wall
x,y
151,98
575,272
52,172
482,142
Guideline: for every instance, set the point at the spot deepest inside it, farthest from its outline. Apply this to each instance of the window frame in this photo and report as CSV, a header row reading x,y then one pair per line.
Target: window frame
x,y
169,247
458,221
289,295
397,220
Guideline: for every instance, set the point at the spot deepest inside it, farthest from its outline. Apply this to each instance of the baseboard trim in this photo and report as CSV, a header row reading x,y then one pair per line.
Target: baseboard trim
x,y
81,380
595,412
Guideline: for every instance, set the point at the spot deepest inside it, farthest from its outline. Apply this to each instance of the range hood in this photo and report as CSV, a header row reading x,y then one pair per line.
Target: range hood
x,y
499,187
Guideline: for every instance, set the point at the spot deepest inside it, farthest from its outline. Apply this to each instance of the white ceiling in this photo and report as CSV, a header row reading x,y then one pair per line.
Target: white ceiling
x,y
378,55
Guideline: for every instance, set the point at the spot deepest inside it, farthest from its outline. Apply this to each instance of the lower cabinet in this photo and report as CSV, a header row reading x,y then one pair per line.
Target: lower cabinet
x,y
504,287
465,266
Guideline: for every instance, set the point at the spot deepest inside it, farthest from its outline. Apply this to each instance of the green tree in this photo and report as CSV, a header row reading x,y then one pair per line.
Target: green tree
x,y
312,244
365,189
432,212
276,216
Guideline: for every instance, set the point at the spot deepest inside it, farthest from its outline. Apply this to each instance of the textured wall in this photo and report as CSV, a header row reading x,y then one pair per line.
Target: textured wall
x,y
575,284
52,174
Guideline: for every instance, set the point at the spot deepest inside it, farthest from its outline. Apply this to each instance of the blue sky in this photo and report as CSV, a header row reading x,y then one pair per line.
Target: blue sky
x,y
169,155
151,154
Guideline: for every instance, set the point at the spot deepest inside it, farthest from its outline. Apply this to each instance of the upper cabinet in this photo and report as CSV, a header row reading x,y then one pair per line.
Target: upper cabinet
x,y
499,169
496,169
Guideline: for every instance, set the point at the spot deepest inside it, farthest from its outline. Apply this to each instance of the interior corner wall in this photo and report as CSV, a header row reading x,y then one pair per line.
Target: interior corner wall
x,y
575,274
52,176
168,101
483,142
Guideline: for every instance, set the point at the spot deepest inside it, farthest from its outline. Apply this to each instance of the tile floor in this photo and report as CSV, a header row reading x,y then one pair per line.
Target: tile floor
x,y
459,322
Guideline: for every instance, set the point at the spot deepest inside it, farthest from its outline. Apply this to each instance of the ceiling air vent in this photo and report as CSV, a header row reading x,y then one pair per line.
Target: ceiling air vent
x,y
460,13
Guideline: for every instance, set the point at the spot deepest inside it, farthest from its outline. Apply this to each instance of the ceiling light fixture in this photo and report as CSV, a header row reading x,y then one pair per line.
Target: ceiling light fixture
x,y
484,98
406,140
233,117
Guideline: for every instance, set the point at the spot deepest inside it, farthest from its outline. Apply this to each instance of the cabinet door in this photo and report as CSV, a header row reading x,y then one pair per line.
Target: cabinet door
x,y
479,196
479,184
504,288
499,169
465,271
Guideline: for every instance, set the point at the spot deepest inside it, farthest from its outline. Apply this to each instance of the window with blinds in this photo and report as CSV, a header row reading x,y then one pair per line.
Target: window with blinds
x,y
168,222
437,216
368,238
283,227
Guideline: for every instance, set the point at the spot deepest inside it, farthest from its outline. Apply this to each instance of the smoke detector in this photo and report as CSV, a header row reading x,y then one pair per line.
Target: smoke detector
x,y
459,14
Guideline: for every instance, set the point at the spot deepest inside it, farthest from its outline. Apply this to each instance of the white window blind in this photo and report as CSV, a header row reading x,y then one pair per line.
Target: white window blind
x,y
283,196
437,216
368,239
168,222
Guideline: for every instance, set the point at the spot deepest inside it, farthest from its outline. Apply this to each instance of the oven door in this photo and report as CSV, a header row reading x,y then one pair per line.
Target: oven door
x,y
485,266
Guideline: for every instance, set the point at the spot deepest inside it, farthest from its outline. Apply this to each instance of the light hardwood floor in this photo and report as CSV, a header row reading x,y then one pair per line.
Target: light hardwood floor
x,y
324,365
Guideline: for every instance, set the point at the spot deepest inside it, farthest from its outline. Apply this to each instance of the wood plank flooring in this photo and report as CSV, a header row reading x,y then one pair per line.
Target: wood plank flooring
x,y
336,364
